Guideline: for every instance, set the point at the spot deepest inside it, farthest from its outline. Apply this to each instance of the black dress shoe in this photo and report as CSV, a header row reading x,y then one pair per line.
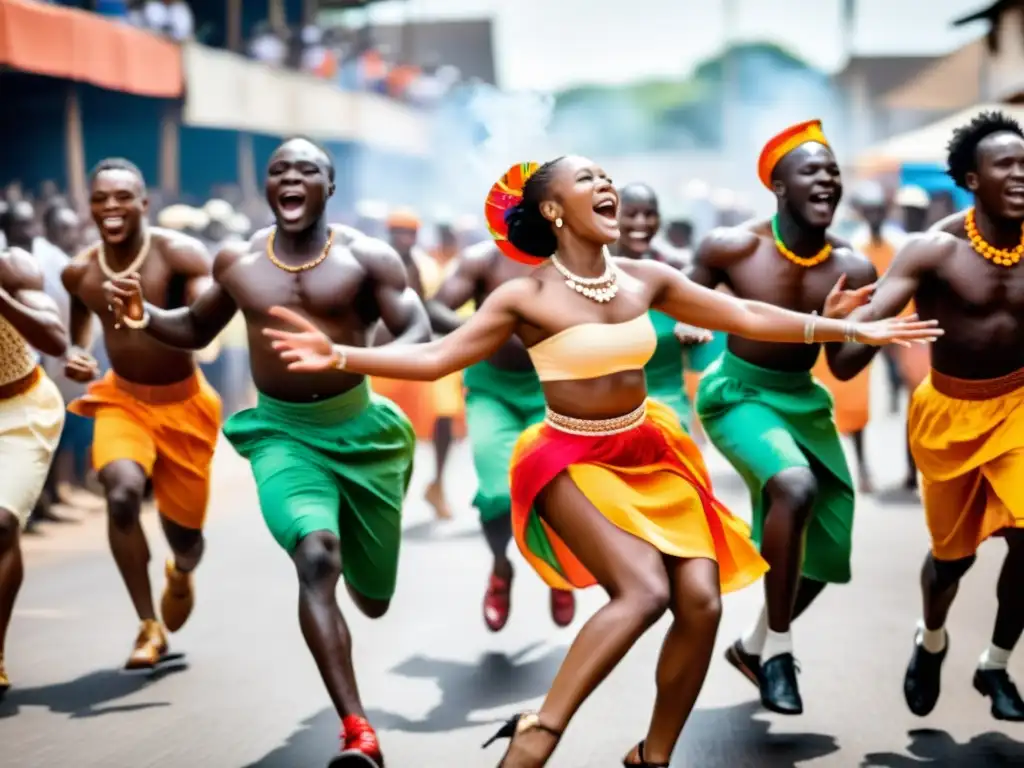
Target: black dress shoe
x,y
923,681
779,691
1006,701
747,664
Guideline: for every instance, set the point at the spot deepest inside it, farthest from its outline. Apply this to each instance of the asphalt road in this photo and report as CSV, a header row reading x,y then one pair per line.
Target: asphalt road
x,y
437,683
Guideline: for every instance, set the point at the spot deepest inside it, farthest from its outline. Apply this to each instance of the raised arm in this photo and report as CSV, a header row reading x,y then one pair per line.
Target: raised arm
x,y
194,326
26,307
307,349
895,291
400,307
459,287
687,302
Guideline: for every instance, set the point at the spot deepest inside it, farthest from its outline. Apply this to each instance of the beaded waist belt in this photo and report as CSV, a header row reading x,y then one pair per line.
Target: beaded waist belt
x,y
597,427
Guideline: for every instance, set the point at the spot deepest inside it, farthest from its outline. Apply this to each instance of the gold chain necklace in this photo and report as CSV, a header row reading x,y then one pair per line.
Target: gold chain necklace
x,y
302,267
101,253
810,261
1004,257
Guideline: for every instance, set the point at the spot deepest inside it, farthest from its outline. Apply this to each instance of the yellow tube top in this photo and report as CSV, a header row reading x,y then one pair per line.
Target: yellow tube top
x,y
592,350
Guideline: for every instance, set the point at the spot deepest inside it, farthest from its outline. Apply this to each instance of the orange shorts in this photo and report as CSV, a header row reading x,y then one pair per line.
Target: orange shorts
x,y
170,431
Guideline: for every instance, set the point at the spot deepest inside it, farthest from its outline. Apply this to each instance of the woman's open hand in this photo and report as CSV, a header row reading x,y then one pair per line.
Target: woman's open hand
x,y
898,330
306,349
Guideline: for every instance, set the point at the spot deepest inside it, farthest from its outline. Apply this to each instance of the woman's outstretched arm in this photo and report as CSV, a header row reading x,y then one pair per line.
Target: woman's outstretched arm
x,y
687,302
306,349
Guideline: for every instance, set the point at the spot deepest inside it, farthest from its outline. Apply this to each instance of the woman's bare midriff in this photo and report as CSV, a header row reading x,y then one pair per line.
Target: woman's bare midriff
x,y
602,398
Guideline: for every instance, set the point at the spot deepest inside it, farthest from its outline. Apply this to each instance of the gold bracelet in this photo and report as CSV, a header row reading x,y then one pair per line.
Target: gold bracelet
x,y
850,332
136,325
809,327
341,358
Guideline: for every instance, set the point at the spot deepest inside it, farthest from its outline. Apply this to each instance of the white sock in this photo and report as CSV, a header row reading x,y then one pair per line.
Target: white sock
x,y
994,657
776,644
933,640
753,641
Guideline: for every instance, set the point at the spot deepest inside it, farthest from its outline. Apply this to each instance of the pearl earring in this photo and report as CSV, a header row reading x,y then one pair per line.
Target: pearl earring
x,y
558,222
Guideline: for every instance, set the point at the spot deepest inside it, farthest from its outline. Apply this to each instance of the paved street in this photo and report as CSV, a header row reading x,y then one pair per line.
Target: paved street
x,y
437,683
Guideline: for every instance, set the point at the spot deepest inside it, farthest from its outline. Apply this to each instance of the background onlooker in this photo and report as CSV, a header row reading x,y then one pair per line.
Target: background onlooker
x,y
172,18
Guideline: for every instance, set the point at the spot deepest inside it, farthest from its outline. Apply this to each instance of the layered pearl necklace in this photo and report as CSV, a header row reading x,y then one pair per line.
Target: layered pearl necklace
x,y
133,267
601,289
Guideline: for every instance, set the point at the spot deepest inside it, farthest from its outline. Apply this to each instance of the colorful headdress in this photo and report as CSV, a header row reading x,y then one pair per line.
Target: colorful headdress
x,y
784,143
506,193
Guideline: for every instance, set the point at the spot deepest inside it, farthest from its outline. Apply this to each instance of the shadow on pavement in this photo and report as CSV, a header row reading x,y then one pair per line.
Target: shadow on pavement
x,y
937,748
494,680
730,737
85,696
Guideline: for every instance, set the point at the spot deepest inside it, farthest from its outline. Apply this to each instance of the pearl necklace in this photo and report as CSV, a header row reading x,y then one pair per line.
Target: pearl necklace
x,y
101,253
601,289
1004,257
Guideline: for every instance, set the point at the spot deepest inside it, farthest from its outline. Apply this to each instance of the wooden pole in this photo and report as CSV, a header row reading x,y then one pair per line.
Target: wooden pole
x,y
310,12
74,144
233,16
275,14
170,150
246,165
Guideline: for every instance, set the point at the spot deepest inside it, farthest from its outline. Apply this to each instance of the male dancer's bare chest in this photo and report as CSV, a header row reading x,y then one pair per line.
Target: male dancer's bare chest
x,y
767,276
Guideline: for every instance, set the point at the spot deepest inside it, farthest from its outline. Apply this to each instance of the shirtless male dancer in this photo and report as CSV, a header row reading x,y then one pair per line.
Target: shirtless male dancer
x,y
31,414
332,461
966,420
155,416
762,409
503,398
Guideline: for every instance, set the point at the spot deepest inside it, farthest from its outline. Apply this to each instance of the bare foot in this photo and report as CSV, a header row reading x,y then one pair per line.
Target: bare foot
x,y
435,498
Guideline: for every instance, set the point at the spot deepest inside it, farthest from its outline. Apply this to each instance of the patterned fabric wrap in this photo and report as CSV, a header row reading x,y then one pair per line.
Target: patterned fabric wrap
x,y
506,193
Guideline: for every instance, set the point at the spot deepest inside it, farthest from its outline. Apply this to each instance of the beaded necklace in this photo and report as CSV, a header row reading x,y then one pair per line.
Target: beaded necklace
x,y
811,261
1004,257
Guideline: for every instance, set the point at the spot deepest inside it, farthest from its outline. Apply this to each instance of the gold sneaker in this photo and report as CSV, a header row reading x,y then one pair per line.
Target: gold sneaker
x,y
5,682
178,598
150,646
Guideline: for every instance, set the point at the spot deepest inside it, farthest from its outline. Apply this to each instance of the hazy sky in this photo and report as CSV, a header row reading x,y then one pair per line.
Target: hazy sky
x,y
547,44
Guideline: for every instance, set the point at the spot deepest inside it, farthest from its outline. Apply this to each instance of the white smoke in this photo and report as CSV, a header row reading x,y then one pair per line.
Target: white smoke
x,y
481,133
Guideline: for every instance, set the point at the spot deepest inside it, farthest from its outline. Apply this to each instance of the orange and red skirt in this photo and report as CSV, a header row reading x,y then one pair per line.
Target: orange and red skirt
x,y
649,481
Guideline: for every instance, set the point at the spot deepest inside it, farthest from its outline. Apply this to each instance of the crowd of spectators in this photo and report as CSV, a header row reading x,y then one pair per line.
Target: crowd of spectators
x,y
349,57
353,60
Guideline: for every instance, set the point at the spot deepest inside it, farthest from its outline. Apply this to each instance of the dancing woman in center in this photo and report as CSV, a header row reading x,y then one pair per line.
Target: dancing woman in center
x,y
609,489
